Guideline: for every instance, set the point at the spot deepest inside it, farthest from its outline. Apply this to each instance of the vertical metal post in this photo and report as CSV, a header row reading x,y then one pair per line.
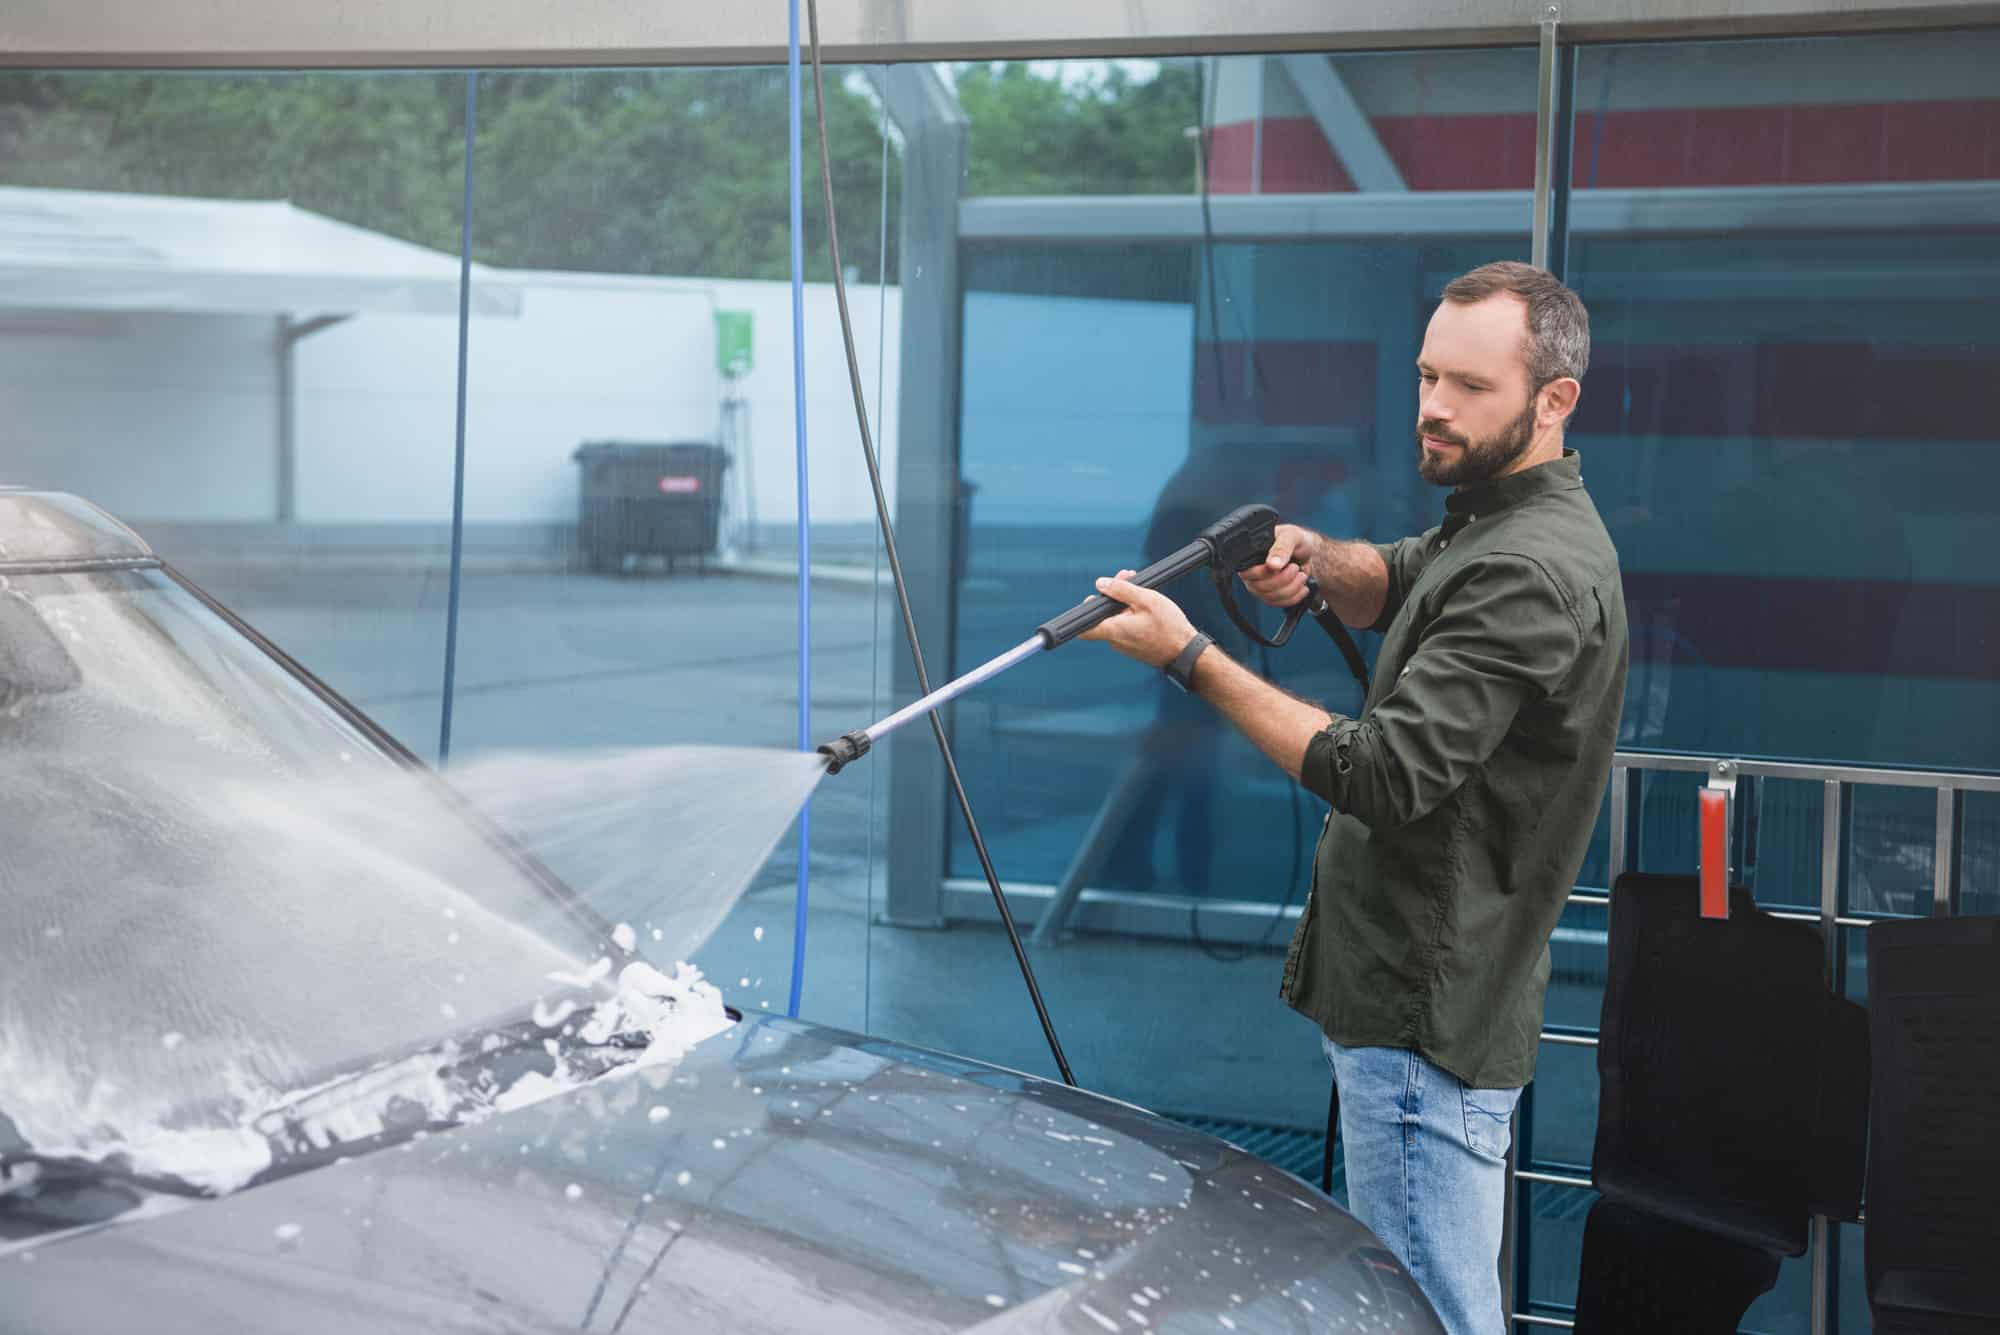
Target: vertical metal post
x,y
1256,66
1947,841
291,332
1619,860
1749,807
1833,807
1562,137
1833,812
1624,851
288,449
1545,129
1514,1285
927,470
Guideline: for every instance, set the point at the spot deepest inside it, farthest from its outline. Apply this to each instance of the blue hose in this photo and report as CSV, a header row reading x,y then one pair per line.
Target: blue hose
x,y
805,528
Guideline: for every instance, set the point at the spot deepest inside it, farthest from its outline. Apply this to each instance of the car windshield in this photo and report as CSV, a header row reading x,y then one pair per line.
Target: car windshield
x,y
218,891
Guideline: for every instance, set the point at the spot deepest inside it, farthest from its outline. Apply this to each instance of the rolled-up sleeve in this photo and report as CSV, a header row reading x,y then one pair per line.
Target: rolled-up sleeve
x,y
1406,559
1505,636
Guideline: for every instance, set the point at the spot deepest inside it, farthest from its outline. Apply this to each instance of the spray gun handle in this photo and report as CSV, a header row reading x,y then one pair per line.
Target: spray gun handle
x,y
1242,538
1097,608
1237,541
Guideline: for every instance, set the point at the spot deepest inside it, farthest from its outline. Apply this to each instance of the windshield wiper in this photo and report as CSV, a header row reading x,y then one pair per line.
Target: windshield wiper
x,y
23,1172
446,1083
442,1085
382,1103
44,1193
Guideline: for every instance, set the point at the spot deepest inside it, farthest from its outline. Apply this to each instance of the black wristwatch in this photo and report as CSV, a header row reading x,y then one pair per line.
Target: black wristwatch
x,y
1181,671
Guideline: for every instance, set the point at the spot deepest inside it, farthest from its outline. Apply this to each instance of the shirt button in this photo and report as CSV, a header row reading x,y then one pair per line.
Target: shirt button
x,y
1443,543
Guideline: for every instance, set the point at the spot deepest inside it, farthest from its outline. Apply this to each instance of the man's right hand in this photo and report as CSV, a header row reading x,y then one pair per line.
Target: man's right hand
x,y
1281,580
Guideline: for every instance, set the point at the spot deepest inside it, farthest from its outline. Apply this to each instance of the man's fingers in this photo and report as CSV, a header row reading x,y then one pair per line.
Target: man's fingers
x,y
1263,577
1267,578
1147,626
1283,541
1122,590
1278,588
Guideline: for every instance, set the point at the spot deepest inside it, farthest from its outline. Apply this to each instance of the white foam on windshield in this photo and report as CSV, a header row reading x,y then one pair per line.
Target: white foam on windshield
x,y
220,893
657,1018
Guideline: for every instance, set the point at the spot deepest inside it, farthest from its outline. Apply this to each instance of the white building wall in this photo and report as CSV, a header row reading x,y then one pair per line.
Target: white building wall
x,y
837,477
162,416
592,357
175,417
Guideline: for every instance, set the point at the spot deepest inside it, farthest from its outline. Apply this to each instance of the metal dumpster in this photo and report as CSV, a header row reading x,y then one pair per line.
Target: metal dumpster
x,y
648,498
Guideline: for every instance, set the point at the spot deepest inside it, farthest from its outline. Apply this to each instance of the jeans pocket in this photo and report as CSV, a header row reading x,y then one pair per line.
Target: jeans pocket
x,y
1489,1119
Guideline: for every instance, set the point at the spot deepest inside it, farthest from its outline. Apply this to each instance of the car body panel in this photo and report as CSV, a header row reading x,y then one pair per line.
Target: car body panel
x,y
833,1183
778,1177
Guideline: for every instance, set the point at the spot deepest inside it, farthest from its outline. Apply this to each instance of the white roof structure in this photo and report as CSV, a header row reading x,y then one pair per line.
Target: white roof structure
x,y
86,250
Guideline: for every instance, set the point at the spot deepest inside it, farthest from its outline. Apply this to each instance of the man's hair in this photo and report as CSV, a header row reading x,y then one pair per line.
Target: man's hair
x,y
1558,326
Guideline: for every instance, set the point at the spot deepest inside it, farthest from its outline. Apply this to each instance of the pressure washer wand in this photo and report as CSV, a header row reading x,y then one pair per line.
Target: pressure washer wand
x,y
851,746
1236,542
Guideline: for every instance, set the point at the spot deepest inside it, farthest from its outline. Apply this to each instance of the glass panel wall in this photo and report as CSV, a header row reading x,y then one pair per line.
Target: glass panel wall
x,y
1147,344
1784,280
1138,294
1787,248
230,317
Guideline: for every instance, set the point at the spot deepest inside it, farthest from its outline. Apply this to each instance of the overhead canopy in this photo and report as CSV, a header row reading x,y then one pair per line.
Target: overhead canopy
x,y
97,251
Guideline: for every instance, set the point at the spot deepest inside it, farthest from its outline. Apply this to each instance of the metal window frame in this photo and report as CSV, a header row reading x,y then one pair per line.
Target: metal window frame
x,y
935,133
388,34
1122,219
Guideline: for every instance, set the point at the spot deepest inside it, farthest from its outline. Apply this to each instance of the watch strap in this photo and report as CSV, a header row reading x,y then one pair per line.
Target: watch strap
x,y
1181,671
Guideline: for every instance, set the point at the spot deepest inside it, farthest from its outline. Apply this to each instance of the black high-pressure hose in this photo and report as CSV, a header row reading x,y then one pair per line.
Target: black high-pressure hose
x,y
896,565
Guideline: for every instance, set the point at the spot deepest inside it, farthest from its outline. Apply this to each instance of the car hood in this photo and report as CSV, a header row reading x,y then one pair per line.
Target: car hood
x,y
782,1177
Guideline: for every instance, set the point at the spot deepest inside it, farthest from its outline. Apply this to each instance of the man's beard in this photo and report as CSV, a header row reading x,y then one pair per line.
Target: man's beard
x,y
1477,461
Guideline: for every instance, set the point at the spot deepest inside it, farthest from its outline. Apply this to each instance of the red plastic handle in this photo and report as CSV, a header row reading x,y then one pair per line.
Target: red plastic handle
x,y
1714,853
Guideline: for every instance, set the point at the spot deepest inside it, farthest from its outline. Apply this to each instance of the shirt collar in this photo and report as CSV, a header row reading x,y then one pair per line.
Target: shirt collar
x,y
1501,493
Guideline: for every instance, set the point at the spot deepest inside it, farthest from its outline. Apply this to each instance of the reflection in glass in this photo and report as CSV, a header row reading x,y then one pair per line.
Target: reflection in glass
x,y
1790,407
1793,423
1121,387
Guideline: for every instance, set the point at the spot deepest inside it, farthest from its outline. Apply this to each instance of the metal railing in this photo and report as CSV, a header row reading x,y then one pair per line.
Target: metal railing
x,y
1838,783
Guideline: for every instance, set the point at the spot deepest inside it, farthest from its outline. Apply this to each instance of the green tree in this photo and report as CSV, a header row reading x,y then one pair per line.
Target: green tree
x,y
670,171
1112,135
379,151
677,172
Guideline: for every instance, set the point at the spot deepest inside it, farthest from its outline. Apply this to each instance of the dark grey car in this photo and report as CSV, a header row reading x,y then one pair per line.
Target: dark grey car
x,y
201,1129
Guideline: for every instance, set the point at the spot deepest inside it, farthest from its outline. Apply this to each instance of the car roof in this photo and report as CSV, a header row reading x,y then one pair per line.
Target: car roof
x,y
53,530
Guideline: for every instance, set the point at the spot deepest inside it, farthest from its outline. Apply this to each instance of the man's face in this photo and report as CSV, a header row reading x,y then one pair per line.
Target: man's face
x,y
1476,411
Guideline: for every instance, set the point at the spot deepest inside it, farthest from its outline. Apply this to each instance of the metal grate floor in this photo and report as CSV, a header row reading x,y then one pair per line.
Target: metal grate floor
x,y
1297,1152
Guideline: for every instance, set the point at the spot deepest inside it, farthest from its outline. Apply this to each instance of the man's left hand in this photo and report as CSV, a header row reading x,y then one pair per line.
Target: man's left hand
x,y
1152,628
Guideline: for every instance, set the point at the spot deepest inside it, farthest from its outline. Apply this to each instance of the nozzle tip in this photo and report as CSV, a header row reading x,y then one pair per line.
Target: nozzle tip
x,y
844,750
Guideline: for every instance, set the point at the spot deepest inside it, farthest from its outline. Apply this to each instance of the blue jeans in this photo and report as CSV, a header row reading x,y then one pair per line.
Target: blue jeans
x,y
1427,1172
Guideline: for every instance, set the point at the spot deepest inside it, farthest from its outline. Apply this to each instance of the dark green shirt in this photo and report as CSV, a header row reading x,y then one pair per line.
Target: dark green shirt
x,y
1464,796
